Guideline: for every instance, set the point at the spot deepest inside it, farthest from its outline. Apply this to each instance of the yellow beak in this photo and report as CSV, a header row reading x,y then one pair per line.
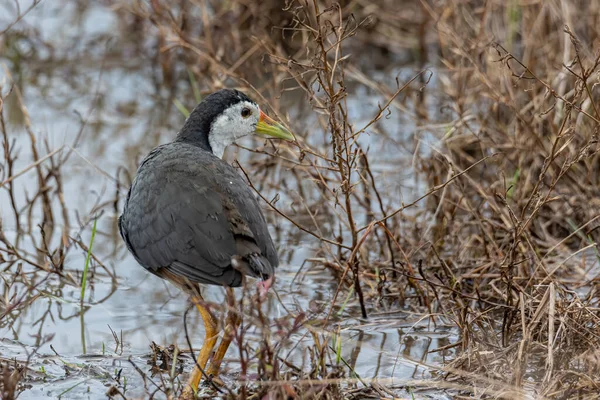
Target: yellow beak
x,y
267,126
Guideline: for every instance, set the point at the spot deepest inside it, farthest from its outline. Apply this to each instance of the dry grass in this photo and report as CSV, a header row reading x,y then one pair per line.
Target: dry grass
x,y
496,125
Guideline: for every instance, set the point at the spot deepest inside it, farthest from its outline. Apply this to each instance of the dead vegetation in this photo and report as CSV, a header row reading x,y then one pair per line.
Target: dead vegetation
x,y
466,193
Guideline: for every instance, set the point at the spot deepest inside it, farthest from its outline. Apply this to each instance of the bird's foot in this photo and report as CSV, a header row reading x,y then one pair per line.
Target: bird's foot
x,y
191,394
214,380
188,393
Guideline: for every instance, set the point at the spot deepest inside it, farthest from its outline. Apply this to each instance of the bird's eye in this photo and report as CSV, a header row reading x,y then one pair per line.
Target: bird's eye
x,y
246,112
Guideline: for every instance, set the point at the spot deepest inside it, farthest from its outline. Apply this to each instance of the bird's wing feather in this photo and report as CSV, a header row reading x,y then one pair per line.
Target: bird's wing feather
x,y
190,213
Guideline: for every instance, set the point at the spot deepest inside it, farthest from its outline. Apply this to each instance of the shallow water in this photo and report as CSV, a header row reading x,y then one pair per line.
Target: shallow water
x,y
81,64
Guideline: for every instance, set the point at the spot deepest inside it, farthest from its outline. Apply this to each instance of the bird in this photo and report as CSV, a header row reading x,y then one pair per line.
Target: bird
x,y
190,218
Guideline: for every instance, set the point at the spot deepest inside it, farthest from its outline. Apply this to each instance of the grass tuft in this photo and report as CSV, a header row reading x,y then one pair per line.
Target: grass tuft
x,y
87,261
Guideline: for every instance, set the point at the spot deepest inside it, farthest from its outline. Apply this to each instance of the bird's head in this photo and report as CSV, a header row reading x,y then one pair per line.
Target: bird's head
x,y
227,115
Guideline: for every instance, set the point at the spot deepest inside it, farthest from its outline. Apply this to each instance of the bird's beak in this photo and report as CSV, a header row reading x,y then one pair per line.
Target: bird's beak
x,y
267,126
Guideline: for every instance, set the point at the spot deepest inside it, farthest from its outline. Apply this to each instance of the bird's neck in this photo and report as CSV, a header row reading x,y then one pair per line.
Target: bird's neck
x,y
196,134
218,143
213,137
211,143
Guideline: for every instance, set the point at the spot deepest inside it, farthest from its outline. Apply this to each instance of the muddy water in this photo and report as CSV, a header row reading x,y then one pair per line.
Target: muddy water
x,y
79,61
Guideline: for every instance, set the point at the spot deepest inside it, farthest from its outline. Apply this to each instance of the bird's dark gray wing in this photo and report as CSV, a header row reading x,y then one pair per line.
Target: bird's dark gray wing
x,y
191,214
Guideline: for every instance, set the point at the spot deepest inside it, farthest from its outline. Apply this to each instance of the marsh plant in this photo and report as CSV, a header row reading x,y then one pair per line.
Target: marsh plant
x,y
444,181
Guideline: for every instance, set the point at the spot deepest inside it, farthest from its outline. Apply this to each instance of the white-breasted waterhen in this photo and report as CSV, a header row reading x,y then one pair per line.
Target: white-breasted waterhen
x,y
191,218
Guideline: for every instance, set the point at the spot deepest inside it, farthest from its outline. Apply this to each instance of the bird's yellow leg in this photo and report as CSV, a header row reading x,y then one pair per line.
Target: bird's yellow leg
x,y
233,320
210,340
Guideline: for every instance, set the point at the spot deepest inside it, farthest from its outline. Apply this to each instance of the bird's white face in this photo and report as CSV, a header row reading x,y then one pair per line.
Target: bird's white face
x,y
239,120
